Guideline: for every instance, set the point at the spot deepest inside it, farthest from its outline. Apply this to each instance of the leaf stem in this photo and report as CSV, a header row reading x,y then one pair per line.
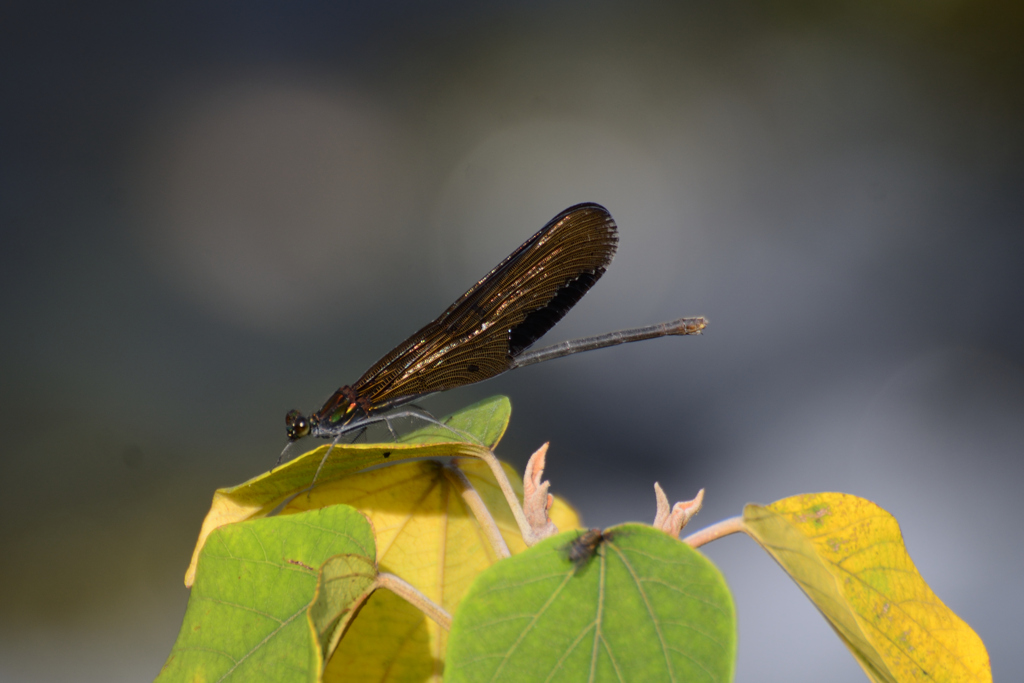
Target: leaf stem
x,y
529,536
476,504
417,599
715,531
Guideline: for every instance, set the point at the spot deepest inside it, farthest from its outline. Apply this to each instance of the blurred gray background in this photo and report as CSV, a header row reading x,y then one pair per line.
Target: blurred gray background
x,y
213,213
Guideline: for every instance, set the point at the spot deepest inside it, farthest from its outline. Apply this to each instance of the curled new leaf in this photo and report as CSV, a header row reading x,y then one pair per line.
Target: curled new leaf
x,y
672,520
537,501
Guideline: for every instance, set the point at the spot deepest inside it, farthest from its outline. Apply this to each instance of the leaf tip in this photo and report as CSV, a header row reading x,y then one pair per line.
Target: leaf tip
x,y
537,501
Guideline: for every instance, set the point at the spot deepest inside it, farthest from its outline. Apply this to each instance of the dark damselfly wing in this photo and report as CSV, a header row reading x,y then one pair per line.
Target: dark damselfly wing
x,y
511,307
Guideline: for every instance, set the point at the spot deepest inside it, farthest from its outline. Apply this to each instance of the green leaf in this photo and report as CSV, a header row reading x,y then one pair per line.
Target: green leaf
x,y
485,421
247,617
638,606
848,556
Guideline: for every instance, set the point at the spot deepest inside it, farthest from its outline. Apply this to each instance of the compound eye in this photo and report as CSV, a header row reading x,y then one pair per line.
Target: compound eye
x,y
298,425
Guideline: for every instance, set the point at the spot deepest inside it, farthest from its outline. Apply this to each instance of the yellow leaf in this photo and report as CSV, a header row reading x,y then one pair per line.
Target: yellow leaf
x,y
483,422
426,535
261,495
847,555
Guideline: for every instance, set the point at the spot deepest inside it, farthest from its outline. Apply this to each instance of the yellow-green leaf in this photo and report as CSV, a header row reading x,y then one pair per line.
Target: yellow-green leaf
x,y
848,556
485,421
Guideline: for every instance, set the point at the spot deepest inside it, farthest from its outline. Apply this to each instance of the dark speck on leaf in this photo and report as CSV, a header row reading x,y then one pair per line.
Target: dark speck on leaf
x,y
584,547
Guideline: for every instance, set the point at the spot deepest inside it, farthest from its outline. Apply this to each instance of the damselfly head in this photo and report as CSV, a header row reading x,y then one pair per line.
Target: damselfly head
x,y
298,425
